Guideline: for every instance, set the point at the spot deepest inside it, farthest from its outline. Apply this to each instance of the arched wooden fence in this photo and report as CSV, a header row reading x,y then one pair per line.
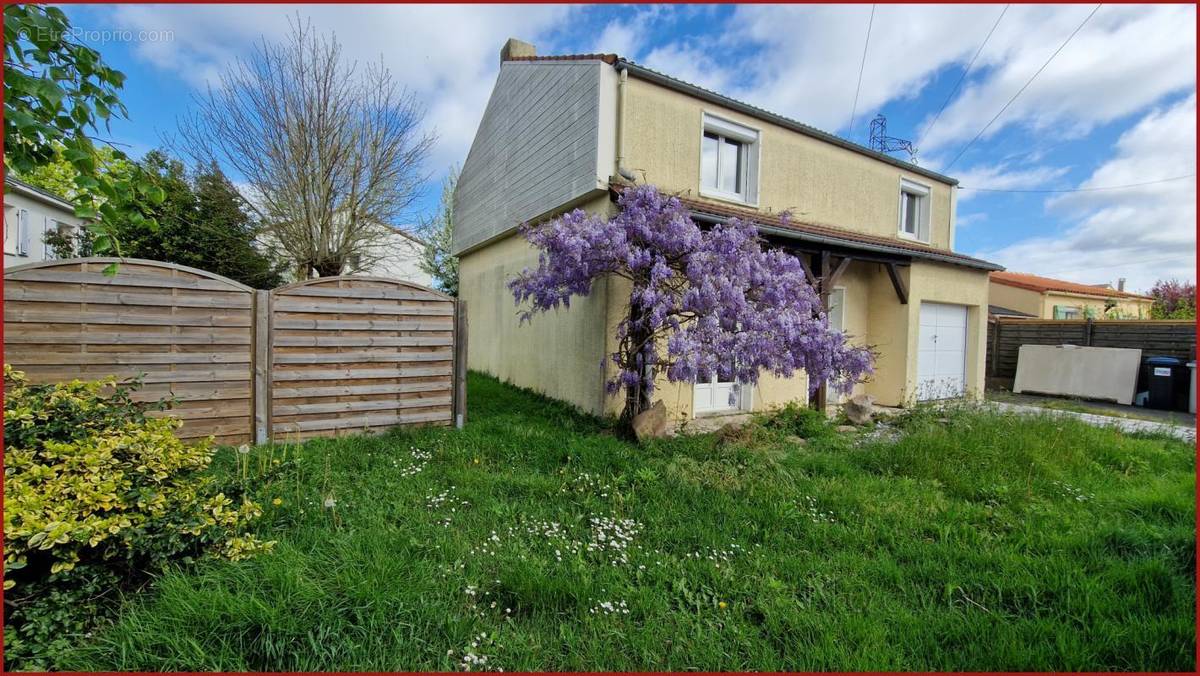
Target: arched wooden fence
x,y
339,355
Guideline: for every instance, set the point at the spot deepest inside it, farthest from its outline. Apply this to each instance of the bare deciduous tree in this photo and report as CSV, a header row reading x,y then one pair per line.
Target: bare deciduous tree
x,y
330,153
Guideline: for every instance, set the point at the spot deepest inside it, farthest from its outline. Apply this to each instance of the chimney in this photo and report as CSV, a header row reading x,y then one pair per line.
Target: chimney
x,y
515,48
1121,284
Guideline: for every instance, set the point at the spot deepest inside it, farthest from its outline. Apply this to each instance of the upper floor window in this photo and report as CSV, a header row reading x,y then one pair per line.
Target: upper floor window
x,y
914,210
728,160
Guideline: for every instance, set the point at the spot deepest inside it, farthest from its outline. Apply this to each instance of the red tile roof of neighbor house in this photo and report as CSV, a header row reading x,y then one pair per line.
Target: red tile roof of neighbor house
x,y
824,233
1022,280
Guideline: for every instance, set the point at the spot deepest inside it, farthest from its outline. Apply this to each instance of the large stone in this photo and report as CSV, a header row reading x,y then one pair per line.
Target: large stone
x,y
859,409
651,424
845,428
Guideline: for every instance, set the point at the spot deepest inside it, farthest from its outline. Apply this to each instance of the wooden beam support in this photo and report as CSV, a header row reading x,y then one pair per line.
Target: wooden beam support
x,y
898,283
812,279
826,269
837,272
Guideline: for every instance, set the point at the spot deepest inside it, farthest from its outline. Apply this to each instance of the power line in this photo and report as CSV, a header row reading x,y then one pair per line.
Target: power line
x,y
1107,187
1122,264
1023,87
861,66
962,77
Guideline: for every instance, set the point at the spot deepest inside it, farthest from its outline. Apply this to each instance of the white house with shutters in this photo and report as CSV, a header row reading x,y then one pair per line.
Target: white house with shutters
x,y
29,213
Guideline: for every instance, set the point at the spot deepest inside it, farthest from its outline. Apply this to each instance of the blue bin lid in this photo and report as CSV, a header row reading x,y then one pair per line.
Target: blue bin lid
x,y
1164,361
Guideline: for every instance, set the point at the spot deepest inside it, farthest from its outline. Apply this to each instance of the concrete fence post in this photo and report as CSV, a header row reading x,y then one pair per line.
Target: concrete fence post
x,y
261,391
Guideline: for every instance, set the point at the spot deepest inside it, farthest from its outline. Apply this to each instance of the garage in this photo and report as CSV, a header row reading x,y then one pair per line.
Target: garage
x,y
942,352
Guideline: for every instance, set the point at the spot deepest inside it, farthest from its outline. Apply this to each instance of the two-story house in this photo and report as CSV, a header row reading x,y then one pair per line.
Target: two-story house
x,y
562,132
29,213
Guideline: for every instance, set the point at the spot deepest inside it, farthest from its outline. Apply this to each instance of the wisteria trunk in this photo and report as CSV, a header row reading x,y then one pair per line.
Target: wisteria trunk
x,y
637,399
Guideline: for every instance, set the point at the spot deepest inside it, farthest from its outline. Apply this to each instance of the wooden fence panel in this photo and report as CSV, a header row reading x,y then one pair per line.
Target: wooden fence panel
x,y
186,331
324,357
360,354
1154,337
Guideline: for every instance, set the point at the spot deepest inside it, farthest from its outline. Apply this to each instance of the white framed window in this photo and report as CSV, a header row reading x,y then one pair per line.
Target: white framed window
x,y
728,160
10,229
837,308
64,230
914,210
1066,312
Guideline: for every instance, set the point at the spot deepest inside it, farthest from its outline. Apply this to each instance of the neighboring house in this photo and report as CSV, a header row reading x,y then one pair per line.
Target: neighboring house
x,y
401,260
29,213
1047,298
396,255
558,133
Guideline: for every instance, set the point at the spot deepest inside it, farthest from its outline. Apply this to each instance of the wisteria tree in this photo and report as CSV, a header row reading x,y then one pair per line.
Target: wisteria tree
x,y
702,302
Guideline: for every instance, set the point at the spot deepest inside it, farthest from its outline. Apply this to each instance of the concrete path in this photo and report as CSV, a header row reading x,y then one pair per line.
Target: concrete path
x,y
1124,424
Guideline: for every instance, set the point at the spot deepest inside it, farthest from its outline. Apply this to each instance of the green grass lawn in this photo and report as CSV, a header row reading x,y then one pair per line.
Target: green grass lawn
x,y
537,540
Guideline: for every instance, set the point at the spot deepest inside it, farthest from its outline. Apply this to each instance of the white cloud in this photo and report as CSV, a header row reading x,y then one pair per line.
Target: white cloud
x,y
1144,233
690,63
967,220
619,37
803,61
1004,176
1125,59
447,54
808,57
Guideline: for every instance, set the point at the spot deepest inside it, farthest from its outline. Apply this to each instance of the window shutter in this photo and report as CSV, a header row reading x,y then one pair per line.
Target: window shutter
x,y
23,232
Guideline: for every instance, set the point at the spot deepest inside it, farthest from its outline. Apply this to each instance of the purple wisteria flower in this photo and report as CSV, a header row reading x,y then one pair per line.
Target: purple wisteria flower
x,y
703,302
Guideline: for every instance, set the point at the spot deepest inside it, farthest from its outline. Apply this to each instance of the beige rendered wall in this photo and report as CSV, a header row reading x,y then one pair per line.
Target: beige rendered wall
x,y
1013,298
1127,307
557,353
874,316
817,181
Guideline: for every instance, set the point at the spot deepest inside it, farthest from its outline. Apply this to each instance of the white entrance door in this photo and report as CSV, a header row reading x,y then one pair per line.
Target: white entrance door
x,y
714,396
942,352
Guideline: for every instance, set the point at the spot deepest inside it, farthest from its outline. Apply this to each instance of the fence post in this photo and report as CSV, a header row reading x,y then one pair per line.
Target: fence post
x,y
460,363
262,367
995,345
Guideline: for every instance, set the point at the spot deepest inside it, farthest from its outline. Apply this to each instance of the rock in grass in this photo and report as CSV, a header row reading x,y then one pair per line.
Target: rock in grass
x,y
651,424
859,409
846,428
798,441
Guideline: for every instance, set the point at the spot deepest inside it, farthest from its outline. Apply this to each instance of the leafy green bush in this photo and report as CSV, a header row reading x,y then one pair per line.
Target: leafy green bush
x,y
798,420
97,496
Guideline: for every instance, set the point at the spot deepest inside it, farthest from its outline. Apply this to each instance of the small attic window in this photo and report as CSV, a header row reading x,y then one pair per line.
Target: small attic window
x,y
914,210
729,161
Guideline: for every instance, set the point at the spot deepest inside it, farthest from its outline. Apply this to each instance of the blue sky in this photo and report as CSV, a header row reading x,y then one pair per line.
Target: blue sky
x,y
1115,107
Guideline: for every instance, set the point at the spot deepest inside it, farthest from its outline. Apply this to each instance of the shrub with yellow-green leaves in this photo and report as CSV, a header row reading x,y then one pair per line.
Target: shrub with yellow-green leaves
x,y
98,495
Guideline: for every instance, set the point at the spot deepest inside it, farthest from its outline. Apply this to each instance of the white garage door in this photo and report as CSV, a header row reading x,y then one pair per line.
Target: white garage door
x,y
942,352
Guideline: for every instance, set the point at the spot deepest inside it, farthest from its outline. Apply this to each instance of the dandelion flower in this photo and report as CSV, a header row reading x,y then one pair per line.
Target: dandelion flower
x,y
722,605
277,502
